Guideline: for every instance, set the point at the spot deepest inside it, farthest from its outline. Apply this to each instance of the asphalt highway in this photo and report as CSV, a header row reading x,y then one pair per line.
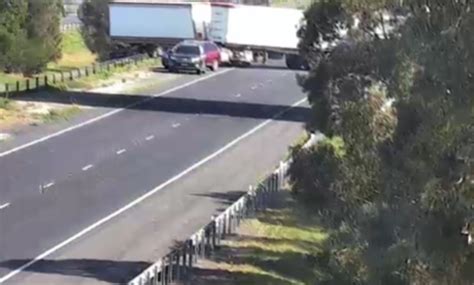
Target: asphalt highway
x,y
52,190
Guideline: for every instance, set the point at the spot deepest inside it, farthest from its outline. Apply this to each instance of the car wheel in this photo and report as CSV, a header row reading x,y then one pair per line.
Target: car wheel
x,y
215,65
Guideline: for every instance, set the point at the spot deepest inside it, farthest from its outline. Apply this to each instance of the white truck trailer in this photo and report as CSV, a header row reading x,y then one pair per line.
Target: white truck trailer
x,y
244,30
149,24
255,30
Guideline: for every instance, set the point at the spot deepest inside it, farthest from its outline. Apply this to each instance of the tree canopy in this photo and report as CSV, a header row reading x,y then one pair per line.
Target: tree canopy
x,y
30,35
394,179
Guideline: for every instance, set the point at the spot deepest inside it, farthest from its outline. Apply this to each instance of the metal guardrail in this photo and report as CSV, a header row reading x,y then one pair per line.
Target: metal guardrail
x,y
50,78
69,27
177,265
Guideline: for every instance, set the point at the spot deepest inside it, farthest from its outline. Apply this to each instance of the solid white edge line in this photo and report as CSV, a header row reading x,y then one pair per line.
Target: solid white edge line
x,y
146,195
3,206
108,114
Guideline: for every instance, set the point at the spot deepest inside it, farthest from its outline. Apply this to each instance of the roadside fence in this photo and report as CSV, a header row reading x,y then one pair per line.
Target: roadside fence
x,y
178,264
53,77
70,27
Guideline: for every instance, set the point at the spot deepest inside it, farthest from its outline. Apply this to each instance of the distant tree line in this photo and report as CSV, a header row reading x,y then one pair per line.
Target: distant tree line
x,y
30,34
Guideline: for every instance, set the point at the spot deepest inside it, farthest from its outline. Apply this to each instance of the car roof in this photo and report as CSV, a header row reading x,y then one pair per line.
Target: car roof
x,y
193,42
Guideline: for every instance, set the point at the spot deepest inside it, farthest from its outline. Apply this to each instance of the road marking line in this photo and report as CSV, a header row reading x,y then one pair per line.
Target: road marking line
x,y
121,151
146,195
253,87
87,167
238,95
4,206
51,184
111,113
149,138
176,125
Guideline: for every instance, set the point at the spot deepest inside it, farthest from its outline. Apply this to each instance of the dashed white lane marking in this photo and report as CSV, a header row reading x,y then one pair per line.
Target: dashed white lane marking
x,y
238,95
149,138
87,167
3,206
176,125
146,195
111,113
119,152
253,87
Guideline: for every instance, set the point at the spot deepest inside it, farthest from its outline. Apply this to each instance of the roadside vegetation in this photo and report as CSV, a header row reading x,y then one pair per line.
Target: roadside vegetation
x,y
279,247
393,181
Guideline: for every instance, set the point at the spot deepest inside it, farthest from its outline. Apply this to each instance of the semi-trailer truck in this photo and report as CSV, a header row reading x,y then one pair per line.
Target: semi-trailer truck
x,y
244,32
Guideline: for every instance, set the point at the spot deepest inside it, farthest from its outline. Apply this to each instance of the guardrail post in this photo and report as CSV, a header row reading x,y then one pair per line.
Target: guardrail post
x,y
94,68
70,75
54,78
28,84
7,90
170,270
191,252
214,233
17,86
37,80
46,80
163,274
86,69
79,73
178,265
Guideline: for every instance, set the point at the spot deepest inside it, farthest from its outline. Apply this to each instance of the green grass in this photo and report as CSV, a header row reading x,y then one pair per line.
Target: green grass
x,y
63,114
105,77
300,4
279,247
6,104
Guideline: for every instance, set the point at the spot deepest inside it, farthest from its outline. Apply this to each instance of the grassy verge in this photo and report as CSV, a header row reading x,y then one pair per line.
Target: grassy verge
x,y
104,77
300,4
279,247
62,114
75,53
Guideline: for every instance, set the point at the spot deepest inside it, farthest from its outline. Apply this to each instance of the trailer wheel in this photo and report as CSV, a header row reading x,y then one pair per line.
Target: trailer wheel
x,y
215,65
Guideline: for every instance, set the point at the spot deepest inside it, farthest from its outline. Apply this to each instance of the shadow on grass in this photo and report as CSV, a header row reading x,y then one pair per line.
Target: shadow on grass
x,y
116,272
280,246
223,277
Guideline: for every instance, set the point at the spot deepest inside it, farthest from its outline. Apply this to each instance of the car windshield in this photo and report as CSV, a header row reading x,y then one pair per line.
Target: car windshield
x,y
185,49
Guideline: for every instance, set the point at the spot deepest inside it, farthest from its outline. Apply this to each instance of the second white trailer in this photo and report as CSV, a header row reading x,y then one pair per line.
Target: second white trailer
x,y
248,30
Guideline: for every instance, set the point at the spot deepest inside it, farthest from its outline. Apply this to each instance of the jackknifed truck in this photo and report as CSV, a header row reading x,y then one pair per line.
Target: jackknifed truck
x,y
245,33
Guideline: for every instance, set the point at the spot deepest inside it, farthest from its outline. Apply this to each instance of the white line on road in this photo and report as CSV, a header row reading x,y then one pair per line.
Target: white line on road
x,y
253,87
119,152
50,184
111,113
238,95
176,125
149,138
87,167
3,206
145,196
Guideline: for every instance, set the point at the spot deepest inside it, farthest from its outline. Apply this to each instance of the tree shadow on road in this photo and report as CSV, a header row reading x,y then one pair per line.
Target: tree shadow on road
x,y
116,272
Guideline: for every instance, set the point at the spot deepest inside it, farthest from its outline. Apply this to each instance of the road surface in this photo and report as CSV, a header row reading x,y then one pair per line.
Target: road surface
x,y
56,188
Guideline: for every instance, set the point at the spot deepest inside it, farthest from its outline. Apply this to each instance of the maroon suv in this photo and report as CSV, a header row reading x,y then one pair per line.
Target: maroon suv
x,y
194,56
